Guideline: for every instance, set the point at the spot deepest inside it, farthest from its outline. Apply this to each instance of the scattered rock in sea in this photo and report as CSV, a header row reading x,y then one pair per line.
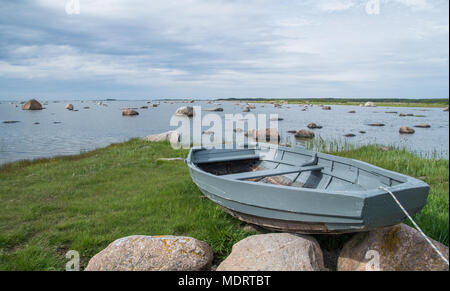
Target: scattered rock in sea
x,y
391,112
268,134
129,112
32,104
215,109
187,111
86,107
362,132
275,252
370,104
10,121
292,131
276,119
350,135
36,123
57,122
446,109
154,105
422,125
406,130
69,107
144,107
171,136
406,115
153,253
326,107
397,248
312,125
376,124
352,111
303,133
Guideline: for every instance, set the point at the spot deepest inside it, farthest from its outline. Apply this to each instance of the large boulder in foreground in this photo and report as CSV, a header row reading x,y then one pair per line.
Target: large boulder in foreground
x,y
398,248
187,111
33,104
275,252
170,136
153,253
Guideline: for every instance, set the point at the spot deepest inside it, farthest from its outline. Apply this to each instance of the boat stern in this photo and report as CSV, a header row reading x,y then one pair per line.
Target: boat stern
x,y
381,209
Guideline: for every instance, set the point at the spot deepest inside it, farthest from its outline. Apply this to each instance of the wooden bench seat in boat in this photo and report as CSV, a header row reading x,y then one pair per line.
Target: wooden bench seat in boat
x,y
212,159
271,173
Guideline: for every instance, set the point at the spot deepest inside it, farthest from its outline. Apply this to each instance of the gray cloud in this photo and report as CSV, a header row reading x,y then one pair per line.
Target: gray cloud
x,y
213,48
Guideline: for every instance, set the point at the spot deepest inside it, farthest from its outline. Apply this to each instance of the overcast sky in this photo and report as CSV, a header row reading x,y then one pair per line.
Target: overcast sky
x,y
132,49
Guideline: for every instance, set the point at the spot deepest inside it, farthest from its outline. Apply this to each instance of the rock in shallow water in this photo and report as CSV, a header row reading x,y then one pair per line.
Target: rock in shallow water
x,y
129,112
275,252
215,109
185,111
370,104
406,130
33,104
397,248
153,253
268,135
303,133
312,125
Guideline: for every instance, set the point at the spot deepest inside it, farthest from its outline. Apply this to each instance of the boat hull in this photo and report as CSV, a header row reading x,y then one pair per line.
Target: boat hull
x,y
310,211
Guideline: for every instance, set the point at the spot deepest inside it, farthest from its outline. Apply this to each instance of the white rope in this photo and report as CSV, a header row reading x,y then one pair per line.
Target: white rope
x,y
415,224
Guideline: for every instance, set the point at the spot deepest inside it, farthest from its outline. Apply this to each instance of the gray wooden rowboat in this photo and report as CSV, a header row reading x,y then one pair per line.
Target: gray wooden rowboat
x,y
301,191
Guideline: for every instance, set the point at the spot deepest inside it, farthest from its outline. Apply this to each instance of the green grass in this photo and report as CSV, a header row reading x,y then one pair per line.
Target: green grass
x,y
85,202
384,102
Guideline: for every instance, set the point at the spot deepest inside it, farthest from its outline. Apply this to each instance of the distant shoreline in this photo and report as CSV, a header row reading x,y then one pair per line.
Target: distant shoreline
x,y
383,102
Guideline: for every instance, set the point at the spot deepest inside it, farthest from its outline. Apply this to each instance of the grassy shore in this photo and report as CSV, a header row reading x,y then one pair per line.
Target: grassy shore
x,y
84,202
387,102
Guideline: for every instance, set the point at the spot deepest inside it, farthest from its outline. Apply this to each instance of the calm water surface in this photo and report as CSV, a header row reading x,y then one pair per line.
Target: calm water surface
x,y
63,132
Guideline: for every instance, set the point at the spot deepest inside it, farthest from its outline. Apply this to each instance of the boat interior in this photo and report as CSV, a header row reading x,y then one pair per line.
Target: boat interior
x,y
294,168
